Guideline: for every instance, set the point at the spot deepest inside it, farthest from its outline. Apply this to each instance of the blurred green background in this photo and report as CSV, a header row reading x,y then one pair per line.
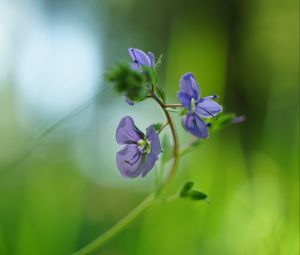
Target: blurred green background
x,y
59,184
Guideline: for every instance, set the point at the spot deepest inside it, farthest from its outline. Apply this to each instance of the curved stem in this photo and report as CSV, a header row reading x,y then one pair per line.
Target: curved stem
x,y
175,140
97,243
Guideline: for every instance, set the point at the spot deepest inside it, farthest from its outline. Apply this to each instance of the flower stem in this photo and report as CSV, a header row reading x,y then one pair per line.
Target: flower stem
x,y
167,199
172,171
162,127
173,105
97,243
94,245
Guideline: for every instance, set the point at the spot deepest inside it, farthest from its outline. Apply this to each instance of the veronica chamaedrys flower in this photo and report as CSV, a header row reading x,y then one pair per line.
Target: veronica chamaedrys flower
x,y
140,152
198,108
140,59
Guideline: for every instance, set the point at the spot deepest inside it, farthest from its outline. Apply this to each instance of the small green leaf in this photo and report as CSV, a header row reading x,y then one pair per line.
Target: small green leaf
x,y
167,149
184,111
184,192
197,195
157,126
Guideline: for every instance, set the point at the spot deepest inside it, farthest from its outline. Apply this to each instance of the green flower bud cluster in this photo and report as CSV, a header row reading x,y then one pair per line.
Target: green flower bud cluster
x,y
127,81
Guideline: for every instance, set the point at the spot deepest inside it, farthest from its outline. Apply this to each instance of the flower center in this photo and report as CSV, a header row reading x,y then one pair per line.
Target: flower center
x,y
193,105
144,145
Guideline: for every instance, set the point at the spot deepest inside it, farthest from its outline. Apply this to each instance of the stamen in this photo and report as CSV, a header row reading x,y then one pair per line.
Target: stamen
x,y
144,145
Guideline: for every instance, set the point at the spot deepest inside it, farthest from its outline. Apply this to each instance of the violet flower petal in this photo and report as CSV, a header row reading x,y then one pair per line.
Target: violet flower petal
x,y
139,57
195,125
189,86
148,164
153,138
135,67
129,161
127,132
151,158
208,108
184,99
152,58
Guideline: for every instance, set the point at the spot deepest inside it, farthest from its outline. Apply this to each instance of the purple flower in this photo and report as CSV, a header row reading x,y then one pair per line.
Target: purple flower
x,y
140,58
140,152
189,97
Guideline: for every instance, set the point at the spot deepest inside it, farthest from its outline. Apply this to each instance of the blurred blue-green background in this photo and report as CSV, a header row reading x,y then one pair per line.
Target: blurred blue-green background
x,y
59,184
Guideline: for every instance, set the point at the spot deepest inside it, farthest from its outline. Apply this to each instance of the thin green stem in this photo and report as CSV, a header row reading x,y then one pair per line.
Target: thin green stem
x,y
162,127
94,245
167,199
172,171
97,243
173,105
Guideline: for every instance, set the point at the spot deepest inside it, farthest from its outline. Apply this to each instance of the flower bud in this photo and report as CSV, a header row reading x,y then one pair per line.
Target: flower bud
x,y
128,81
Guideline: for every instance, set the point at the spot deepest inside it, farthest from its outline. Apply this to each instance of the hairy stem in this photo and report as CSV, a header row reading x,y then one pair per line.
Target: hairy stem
x,y
148,201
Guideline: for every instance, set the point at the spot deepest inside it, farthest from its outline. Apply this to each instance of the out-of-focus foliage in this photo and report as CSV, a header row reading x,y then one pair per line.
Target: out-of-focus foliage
x,y
127,81
60,190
